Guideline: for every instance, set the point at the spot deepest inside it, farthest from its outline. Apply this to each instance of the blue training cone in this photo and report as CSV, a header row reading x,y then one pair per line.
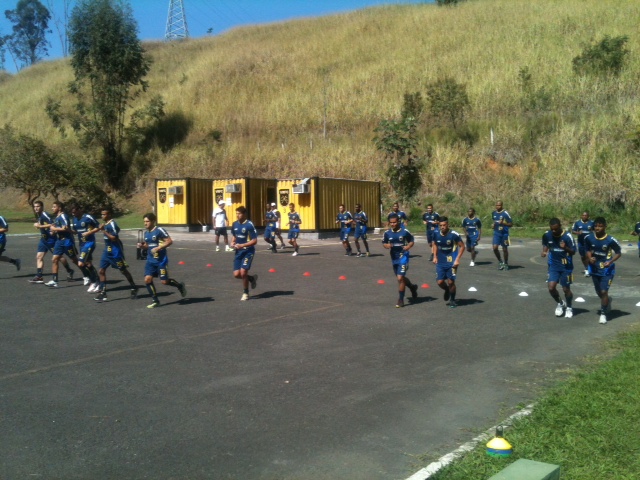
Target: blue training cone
x,y
498,446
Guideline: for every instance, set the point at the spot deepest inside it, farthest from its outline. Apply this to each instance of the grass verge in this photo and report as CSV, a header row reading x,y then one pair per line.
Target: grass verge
x,y
588,425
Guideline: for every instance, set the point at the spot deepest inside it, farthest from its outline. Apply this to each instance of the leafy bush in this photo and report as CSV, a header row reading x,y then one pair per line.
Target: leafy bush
x,y
606,57
448,100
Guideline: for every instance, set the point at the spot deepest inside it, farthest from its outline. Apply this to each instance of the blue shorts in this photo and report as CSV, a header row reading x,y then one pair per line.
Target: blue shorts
x,y
46,244
66,247
155,269
501,238
602,283
446,271
344,234
563,277
86,252
430,233
113,259
269,233
243,259
293,234
582,250
361,233
400,269
472,242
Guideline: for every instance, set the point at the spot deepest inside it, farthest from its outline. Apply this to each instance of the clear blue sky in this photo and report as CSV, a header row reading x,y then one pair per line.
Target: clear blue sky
x,y
202,15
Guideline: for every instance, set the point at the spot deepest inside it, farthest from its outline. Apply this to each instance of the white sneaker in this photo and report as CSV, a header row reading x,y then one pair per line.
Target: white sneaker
x,y
86,281
245,296
51,283
560,309
568,313
472,263
228,249
217,249
603,319
294,254
586,273
93,288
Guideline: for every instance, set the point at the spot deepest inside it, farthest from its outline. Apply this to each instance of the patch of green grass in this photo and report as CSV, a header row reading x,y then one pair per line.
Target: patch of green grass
x,y
587,425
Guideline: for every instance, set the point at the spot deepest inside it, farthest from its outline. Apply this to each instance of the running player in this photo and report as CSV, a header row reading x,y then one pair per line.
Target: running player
x,y
46,243
636,233
559,248
112,256
602,252
501,223
278,229
399,241
157,240
243,242
345,220
220,224
447,249
582,228
402,217
430,220
86,227
4,228
270,220
294,228
472,227
64,245
361,220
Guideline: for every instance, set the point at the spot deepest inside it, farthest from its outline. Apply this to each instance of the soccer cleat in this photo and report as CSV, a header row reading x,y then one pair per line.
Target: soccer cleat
x,y
453,304
70,275
568,312
506,266
154,304
367,254
283,246
294,254
501,266
603,319
228,249
358,254
274,249
134,293
37,279
414,291
183,289
245,296
400,303
560,309
472,263
586,273
254,281
347,253
101,297
447,295
94,288
86,281
51,283
18,264
217,250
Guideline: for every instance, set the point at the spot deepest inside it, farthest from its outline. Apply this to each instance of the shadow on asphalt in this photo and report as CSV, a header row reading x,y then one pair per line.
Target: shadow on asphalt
x,y
274,293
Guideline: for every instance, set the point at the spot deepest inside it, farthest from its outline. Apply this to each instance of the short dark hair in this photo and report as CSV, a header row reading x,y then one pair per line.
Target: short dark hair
x,y
393,215
107,209
444,219
241,210
150,216
38,202
601,221
59,203
554,221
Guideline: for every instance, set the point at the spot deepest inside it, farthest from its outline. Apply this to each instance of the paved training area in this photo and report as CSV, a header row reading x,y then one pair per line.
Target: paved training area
x,y
314,377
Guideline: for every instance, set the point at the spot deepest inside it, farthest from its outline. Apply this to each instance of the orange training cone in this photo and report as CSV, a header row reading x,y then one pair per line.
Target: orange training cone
x,y
272,270
425,285
306,274
342,277
381,282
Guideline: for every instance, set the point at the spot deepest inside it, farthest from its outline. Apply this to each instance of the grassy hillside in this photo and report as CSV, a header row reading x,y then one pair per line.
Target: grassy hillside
x,y
265,89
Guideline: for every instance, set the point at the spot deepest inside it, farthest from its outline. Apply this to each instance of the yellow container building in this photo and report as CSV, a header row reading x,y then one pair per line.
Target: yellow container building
x,y
184,202
252,193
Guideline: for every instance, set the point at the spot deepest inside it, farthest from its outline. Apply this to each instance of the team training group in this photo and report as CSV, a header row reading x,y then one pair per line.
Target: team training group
x,y
598,250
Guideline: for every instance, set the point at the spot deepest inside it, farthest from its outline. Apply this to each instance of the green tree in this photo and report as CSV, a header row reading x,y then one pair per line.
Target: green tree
x,y
606,57
413,105
448,100
28,43
109,65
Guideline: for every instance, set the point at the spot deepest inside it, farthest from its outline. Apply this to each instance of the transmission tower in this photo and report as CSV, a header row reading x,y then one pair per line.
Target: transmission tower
x,y
176,22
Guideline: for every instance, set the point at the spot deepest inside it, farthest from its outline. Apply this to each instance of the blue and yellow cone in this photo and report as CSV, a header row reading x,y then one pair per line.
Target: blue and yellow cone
x,y
498,446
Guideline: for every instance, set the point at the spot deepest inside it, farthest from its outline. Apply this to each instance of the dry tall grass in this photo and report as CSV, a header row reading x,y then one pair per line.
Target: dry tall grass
x,y
265,88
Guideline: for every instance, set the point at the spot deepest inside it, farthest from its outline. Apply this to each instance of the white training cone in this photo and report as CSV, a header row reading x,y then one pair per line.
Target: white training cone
x,y
473,289
524,294
579,300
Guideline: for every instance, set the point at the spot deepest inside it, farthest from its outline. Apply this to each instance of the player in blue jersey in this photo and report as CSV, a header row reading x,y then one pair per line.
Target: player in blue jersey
x,y
636,233
559,248
4,228
361,220
65,245
472,227
270,220
294,228
278,229
430,220
399,241
85,226
402,217
602,252
243,242
582,228
447,249
501,223
156,241
112,256
46,242
345,220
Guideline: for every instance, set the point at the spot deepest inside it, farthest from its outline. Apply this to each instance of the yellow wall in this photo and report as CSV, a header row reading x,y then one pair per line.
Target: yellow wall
x,y
254,196
305,205
192,208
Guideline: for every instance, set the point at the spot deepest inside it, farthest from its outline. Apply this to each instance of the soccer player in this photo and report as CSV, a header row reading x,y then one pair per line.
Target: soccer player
x,y
402,217
270,219
64,245
157,240
399,241
636,232
501,223
294,228
430,220
4,228
220,224
472,227
559,248
345,220
361,220
46,243
112,256
243,242
447,249
86,227
602,252
582,228
278,230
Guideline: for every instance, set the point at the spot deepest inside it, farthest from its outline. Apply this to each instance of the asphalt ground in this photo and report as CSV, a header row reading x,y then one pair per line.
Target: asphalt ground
x,y
314,377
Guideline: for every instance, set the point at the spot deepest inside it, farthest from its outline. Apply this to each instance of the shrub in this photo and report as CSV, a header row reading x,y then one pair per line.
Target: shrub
x,y
606,57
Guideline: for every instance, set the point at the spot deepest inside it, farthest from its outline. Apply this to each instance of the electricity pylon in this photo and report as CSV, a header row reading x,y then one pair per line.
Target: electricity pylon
x,y
176,22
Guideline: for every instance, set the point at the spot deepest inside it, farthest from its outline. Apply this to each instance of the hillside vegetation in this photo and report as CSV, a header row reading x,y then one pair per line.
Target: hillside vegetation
x,y
568,141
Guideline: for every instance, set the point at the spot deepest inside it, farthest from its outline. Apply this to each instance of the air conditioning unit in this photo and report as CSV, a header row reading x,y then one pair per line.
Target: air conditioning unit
x,y
233,188
302,188
178,190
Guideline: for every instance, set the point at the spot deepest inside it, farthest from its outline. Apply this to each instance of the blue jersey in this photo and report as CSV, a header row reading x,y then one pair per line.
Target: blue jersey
x,y
244,232
637,229
294,222
345,220
582,229
3,224
82,225
472,226
432,219
361,220
63,221
153,239
498,227
557,257
271,218
113,246
603,249
448,247
402,217
398,239
46,234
